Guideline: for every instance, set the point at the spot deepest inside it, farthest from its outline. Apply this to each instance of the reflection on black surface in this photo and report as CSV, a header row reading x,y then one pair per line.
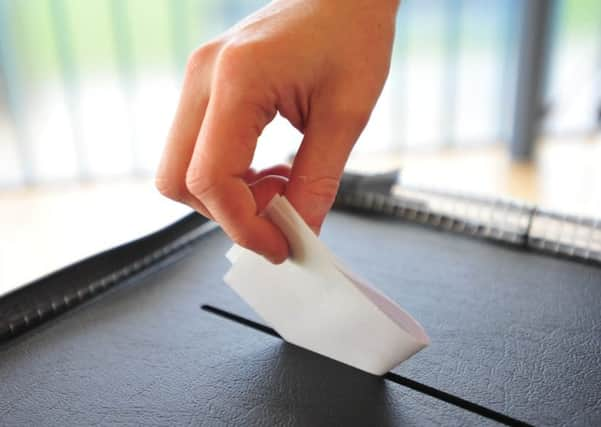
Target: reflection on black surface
x,y
292,386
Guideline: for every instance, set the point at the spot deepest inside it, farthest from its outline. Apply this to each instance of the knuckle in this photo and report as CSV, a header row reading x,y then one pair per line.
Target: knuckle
x,y
244,240
347,113
324,188
355,118
233,59
200,57
199,184
232,52
170,188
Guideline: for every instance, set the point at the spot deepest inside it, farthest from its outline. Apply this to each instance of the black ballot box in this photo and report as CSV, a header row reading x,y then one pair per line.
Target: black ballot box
x,y
148,334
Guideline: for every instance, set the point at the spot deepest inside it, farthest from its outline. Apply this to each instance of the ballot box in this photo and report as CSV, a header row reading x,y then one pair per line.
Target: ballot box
x,y
148,333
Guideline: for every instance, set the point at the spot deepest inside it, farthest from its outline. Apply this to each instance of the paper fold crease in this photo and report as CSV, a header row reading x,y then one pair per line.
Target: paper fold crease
x,y
314,302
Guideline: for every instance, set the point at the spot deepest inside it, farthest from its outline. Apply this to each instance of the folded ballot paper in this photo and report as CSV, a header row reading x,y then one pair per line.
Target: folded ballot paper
x,y
314,302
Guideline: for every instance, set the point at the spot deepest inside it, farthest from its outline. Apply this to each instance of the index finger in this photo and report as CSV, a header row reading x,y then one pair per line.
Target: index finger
x,y
221,157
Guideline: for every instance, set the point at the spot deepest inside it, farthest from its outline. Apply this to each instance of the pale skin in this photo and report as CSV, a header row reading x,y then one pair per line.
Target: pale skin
x,y
321,64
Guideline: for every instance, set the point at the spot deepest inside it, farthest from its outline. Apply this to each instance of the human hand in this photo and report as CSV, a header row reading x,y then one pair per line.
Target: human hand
x,y
321,64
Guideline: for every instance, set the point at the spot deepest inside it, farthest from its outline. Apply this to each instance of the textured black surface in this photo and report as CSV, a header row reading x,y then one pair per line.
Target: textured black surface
x,y
389,376
145,354
510,330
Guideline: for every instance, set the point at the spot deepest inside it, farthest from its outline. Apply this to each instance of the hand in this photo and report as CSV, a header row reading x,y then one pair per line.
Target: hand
x,y
321,64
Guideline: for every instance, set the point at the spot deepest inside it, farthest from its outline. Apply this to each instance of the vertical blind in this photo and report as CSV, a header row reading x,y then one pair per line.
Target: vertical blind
x,y
88,89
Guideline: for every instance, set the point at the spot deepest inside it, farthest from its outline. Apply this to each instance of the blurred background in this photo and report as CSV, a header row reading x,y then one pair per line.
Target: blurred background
x,y
497,98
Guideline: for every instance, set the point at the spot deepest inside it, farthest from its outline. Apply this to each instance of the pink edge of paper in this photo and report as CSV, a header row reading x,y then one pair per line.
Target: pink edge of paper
x,y
392,310
397,314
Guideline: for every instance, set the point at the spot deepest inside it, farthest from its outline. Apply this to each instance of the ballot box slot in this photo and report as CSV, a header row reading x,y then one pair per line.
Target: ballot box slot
x,y
390,376
241,320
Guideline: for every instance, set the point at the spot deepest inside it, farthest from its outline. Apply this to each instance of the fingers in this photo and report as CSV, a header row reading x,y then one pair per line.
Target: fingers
x,y
265,188
206,161
281,170
171,173
221,160
319,164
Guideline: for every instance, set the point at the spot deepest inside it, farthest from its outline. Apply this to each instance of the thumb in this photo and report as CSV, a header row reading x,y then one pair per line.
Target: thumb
x,y
265,188
319,164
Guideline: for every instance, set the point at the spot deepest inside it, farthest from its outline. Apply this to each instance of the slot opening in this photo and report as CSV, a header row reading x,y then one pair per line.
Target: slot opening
x,y
390,376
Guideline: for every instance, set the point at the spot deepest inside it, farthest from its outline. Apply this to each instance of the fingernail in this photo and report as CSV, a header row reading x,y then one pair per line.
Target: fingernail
x,y
270,259
274,259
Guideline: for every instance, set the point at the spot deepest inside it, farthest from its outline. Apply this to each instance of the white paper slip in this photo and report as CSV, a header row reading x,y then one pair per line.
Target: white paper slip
x,y
314,302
